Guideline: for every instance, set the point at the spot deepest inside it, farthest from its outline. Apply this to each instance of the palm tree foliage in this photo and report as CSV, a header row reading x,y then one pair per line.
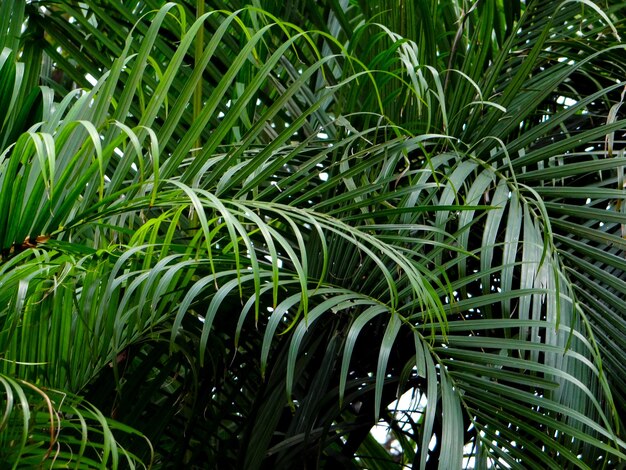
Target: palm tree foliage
x,y
238,234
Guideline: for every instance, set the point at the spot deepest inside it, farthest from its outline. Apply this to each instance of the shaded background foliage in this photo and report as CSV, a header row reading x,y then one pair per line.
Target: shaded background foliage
x,y
245,242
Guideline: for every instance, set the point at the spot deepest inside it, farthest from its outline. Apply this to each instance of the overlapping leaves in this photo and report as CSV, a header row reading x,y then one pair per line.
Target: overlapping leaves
x,y
224,175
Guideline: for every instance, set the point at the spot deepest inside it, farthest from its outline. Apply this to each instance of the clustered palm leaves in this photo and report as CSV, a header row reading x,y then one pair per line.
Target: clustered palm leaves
x,y
233,234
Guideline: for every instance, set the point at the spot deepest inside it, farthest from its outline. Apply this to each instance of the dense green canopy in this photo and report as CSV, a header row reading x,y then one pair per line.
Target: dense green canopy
x,y
233,234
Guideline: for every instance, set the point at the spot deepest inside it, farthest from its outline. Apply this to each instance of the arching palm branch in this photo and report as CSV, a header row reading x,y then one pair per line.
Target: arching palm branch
x,y
246,241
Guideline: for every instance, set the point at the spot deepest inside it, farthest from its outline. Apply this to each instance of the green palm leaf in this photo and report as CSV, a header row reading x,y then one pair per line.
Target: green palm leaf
x,y
430,205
